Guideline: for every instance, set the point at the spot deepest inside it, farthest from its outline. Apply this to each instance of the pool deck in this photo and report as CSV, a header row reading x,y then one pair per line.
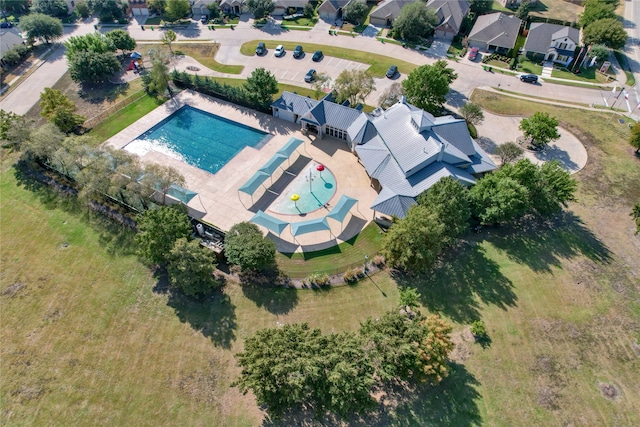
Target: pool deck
x,y
219,202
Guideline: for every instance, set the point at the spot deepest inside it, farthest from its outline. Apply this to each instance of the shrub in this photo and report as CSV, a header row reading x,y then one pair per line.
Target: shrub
x,y
353,275
317,279
379,261
479,329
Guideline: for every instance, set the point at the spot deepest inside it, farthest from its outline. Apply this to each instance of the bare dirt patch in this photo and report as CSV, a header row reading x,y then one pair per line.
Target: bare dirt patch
x,y
609,391
12,290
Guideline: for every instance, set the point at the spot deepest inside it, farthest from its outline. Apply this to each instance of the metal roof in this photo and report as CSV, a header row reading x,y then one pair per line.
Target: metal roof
x,y
393,204
295,103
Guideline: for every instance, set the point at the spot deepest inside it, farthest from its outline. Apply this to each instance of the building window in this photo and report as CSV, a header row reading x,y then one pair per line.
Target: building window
x,y
336,133
562,58
563,46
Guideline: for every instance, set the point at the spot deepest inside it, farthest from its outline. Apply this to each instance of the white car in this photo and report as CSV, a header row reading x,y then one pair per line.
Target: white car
x,y
279,51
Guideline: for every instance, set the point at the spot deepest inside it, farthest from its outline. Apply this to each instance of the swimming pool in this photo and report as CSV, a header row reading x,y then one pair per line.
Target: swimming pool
x,y
314,188
198,138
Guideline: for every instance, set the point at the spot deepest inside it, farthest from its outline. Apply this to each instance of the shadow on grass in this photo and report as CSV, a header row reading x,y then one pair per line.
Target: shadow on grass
x,y
458,286
543,245
214,316
451,403
267,290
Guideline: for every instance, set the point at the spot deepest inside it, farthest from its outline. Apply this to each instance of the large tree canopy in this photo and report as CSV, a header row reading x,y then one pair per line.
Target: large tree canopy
x,y
42,27
595,10
262,85
496,199
260,8
541,128
356,11
415,21
108,10
176,9
449,200
57,8
159,229
121,40
246,247
59,110
427,86
608,31
190,268
354,86
91,58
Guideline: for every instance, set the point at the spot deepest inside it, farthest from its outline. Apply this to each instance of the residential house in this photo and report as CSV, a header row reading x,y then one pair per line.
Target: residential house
x,y
513,4
201,7
551,42
9,37
282,6
331,10
231,7
386,11
451,14
138,8
495,32
404,149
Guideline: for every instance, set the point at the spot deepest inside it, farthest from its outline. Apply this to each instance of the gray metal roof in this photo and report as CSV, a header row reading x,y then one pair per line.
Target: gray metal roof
x,y
496,29
451,12
295,103
331,114
541,36
390,203
455,132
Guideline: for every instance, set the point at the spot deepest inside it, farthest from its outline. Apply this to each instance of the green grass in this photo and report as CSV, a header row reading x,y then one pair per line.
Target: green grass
x,y
531,67
497,7
156,20
589,75
204,53
379,63
623,61
333,260
125,117
301,21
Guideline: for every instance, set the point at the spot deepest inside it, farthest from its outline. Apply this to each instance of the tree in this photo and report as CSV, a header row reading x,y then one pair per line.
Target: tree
x,y
176,9
472,113
14,128
92,42
635,214
262,85
309,10
409,297
321,82
42,142
121,40
57,8
41,26
14,6
158,231
497,199
157,5
600,52
427,86
355,11
157,81
260,8
354,86
168,37
214,10
59,110
294,366
108,10
608,32
634,138
415,21
595,10
541,128
93,67
480,6
415,242
407,346
449,200
391,95
190,268
246,247
523,10
82,9
508,152
162,178
556,189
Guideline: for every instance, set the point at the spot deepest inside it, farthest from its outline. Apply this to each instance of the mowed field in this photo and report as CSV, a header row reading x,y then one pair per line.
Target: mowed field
x,y
89,335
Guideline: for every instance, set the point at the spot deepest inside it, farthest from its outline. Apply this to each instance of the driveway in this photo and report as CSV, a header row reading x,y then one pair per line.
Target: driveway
x,y
496,130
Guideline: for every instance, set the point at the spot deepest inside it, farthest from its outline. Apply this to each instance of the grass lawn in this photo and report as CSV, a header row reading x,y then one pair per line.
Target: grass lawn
x,y
156,20
379,63
590,75
528,66
204,53
301,21
336,259
125,117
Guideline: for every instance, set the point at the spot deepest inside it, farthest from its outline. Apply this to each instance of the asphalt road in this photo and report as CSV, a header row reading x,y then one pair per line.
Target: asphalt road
x,y
632,48
289,70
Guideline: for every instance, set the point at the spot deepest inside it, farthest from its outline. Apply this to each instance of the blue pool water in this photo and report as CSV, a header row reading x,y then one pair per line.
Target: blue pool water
x,y
312,196
198,138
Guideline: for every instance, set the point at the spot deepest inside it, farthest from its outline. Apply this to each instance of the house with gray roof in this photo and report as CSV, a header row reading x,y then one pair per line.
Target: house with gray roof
x,y
282,6
551,42
386,11
331,10
9,37
451,14
495,32
404,149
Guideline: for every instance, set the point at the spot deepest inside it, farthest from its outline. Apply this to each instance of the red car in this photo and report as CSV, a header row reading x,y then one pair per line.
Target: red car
x,y
473,53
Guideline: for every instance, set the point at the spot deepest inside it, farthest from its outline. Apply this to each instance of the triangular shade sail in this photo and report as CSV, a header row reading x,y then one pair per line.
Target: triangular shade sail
x,y
274,224
290,147
310,226
342,208
254,182
181,194
273,163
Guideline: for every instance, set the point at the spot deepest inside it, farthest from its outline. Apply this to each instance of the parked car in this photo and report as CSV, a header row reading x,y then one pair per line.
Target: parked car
x,y
204,19
298,52
279,51
473,53
529,78
310,76
392,71
317,56
261,49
